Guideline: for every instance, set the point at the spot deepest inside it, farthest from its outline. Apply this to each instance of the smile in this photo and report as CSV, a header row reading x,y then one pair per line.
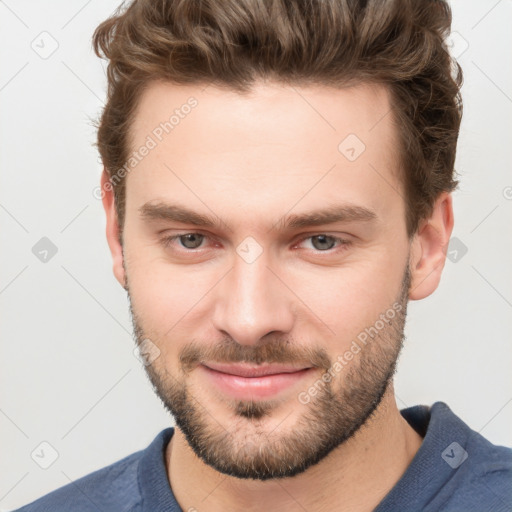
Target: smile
x,y
253,382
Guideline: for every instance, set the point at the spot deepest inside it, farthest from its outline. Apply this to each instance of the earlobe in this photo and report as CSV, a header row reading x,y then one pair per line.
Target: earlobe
x,y
112,228
429,246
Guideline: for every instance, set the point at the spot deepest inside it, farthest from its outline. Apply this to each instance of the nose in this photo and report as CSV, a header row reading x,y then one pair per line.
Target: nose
x,y
252,301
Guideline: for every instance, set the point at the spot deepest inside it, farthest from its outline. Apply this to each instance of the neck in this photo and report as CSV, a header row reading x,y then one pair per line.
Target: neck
x,y
356,476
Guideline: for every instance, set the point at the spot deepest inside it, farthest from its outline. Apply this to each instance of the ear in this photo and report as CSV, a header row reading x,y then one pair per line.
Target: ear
x,y
429,246
113,230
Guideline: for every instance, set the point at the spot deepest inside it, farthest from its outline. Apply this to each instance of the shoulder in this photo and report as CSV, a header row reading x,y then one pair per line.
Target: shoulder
x,y
455,469
114,487
480,472
486,473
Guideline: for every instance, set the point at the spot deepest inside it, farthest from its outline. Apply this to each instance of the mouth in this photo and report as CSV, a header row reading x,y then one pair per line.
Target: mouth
x,y
246,370
244,381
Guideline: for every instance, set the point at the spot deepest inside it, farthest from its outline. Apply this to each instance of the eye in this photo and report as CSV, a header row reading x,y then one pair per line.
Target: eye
x,y
186,240
324,243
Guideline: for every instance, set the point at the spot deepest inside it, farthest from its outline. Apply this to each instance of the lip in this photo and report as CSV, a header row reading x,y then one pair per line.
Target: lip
x,y
246,382
247,370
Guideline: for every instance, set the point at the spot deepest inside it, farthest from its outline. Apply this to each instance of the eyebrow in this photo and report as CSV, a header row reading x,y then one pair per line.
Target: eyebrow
x,y
330,215
338,213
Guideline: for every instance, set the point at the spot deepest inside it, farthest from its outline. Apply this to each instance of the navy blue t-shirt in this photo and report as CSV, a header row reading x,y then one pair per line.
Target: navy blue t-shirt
x,y
455,470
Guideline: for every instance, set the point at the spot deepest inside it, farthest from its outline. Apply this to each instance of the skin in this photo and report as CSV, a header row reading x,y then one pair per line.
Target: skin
x,y
249,161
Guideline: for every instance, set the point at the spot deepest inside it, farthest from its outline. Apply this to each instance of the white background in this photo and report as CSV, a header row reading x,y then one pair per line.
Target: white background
x,y
68,374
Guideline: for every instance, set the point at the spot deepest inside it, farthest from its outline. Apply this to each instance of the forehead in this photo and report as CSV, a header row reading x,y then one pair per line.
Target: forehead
x,y
259,114
276,144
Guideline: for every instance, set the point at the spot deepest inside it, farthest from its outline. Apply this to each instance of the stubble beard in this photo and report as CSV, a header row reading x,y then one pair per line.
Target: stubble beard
x,y
250,449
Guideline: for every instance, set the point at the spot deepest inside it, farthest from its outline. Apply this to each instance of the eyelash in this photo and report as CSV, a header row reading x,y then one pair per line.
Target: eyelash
x,y
343,243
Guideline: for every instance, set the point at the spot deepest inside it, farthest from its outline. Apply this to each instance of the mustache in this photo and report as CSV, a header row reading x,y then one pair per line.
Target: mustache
x,y
273,351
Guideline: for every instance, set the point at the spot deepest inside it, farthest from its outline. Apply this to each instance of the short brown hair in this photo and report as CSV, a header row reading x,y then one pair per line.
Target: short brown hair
x,y
232,43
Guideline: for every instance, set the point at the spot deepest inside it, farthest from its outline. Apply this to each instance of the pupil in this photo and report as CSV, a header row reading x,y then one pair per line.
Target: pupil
x,y
191,241
324,240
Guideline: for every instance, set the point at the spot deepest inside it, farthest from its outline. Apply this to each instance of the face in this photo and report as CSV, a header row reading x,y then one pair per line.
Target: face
x,y
267,229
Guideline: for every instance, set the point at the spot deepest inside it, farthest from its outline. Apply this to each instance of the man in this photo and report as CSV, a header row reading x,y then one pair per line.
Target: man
x,y
277,186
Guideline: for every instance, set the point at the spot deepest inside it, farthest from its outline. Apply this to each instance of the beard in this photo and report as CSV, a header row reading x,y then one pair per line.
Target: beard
x,y
339,408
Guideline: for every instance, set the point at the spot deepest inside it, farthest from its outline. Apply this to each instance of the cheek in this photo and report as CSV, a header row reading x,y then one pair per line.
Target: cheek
x,y
169,300
341,302
162,302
